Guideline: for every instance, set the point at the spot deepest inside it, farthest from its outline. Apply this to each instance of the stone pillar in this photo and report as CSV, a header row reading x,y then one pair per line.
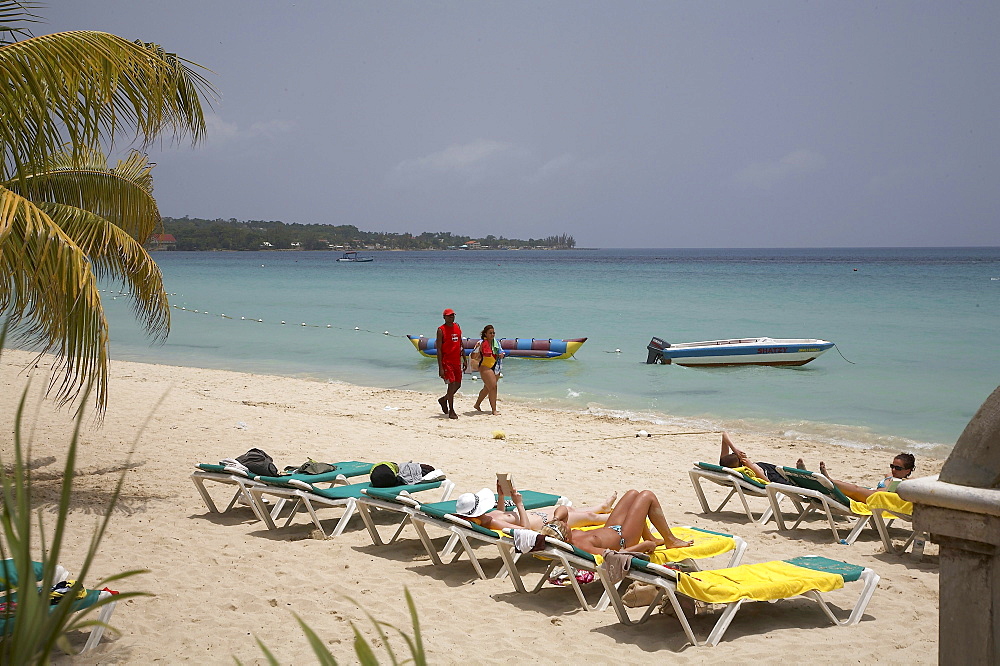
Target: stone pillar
x,y
960,509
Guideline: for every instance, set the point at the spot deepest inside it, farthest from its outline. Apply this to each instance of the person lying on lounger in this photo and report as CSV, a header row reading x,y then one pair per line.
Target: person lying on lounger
x,y
625,530
901,468
736,459
480,508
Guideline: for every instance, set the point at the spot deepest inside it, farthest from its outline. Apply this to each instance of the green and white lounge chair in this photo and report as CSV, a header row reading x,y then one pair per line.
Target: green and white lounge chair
x,y
813,491
808,576
243,481
707,544
887,507
465,533
309,497
739,485
10,587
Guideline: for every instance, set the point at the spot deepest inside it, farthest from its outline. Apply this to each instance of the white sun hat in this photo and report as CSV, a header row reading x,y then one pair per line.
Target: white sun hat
x,y
475,504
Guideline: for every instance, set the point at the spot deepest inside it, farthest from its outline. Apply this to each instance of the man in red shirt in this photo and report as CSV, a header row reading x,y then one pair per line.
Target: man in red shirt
x,y
451,360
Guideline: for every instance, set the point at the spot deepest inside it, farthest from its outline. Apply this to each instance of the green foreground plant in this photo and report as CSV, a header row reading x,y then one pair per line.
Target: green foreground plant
x,y
362,649
32,631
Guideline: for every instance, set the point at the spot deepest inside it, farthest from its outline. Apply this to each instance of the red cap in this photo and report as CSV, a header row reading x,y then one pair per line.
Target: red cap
x,y
447,311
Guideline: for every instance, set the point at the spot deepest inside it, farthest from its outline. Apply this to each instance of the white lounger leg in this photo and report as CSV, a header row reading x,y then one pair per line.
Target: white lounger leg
x,y
97,631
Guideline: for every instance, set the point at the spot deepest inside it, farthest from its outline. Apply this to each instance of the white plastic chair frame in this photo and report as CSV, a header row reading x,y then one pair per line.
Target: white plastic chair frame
x,y
737,485
882,525
302,498
405,504
562,553
666,581
814,501
460,534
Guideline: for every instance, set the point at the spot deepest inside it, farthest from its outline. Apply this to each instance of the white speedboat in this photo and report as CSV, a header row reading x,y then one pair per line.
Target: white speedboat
x,y
739,351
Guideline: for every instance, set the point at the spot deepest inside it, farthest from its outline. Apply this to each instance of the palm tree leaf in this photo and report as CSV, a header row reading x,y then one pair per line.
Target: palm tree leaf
x,y
114,253
13,15
49,292
81,86
122,195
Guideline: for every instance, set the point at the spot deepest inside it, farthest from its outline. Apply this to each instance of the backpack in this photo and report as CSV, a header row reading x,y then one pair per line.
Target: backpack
x,y
258,462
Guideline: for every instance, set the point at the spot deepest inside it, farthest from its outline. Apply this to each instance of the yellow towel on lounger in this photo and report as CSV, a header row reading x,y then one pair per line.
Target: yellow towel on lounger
x,y
705,545
760,582
890,501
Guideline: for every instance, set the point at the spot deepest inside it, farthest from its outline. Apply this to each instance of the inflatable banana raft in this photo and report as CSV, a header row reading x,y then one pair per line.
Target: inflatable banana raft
x,y
513,347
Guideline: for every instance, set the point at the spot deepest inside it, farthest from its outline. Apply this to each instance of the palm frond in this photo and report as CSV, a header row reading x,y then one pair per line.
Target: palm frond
x,y
115,254
49,293
122,195
14,16
82,86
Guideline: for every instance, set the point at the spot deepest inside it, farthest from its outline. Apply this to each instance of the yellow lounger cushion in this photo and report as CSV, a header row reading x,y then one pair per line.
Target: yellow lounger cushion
x,y
705,545
890,501
759,582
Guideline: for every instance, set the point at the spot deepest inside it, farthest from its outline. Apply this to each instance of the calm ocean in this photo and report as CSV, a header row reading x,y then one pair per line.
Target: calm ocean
x,y
919,326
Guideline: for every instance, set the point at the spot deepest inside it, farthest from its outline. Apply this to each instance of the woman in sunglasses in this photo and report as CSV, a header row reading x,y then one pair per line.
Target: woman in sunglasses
x,y
901,468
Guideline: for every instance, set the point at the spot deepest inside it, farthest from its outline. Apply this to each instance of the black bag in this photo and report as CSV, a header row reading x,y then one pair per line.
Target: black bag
x,y
386,475
258,462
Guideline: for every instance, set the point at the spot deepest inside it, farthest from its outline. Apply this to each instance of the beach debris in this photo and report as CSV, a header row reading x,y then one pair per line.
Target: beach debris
x,y
642,433
499,434
391,409
241,425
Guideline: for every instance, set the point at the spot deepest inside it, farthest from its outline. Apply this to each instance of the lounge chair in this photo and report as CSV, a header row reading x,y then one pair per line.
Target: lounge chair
x,y
707,544
807,576
101,598
815,491
739,485
887,507
244,481
309,497
462,532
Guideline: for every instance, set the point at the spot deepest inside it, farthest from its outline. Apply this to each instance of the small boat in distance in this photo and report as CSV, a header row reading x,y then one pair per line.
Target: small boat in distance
x,y
353,256
512,347
740,351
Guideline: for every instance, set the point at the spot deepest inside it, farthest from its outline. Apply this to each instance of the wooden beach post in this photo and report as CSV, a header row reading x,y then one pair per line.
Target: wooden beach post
x,y
960,509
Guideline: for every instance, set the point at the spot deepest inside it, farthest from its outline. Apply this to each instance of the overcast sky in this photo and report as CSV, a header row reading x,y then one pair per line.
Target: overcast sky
x,y
625,124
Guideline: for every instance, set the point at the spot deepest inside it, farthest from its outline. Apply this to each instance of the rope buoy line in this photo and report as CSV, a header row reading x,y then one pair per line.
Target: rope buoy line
x,y
257,320
647,434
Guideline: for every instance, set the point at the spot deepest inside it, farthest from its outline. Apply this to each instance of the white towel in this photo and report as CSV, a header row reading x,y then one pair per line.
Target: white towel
x,y
526,541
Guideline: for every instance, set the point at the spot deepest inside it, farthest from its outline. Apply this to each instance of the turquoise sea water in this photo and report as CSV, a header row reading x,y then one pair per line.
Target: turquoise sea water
x,y
920,326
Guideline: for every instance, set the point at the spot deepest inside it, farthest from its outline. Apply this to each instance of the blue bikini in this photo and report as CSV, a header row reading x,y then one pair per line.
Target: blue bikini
x,y
618,528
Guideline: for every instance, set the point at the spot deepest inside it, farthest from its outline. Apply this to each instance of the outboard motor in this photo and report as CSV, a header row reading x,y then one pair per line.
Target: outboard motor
x,y
655,355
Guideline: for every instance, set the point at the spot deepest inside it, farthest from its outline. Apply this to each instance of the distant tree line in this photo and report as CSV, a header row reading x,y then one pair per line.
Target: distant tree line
x,y
232,234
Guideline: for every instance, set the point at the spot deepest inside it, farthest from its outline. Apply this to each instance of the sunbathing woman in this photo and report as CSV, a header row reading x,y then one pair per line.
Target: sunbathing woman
x,y
901,468
480,509
626,527
736,459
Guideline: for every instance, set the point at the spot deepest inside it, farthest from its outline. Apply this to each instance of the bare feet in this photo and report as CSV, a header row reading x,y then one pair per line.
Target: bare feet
x,y
452,415
477,407
444,404
800,464
674,542
822,469
496,413
609,504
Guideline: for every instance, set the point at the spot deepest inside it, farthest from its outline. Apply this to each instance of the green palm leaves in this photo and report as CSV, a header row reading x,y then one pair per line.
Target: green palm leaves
x,y
66,217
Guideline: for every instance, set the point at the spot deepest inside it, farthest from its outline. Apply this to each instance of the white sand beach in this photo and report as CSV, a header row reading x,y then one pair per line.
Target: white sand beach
x,y
221,581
